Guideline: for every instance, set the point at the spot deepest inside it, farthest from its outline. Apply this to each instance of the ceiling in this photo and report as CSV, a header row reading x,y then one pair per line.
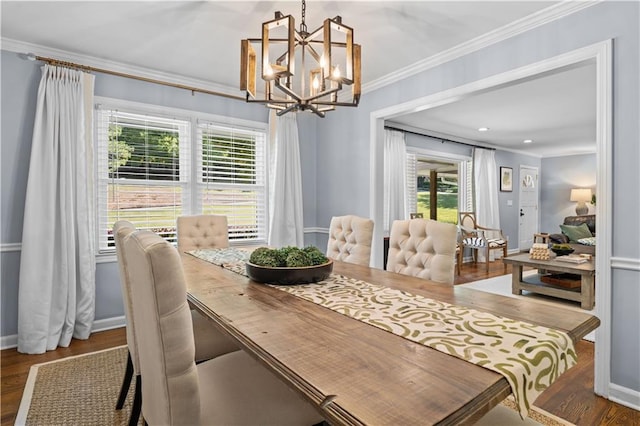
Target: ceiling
x,y
199,44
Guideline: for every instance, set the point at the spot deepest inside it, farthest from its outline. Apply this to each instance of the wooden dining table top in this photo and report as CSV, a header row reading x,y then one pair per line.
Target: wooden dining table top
x,y
356,373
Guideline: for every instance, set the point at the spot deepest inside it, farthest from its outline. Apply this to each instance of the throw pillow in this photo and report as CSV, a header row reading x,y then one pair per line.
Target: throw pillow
x,y
589,241
576,232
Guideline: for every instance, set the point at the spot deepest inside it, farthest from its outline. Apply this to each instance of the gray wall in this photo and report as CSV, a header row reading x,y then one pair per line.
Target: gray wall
x,y
336,172
343,186
559,175
20,79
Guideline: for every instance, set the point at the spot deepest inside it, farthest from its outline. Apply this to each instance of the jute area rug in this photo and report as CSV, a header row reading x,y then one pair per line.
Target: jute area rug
x,y
83,390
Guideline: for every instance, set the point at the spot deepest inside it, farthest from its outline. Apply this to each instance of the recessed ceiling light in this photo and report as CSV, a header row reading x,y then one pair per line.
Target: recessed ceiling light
x,y
483,129
527,141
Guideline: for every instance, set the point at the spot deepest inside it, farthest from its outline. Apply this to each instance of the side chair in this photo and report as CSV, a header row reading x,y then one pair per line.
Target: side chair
x,y
479,238
202,231
226,390
210,342
350,239
423,248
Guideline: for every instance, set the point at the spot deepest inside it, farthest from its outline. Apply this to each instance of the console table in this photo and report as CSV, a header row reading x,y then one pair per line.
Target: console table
x,y
585,294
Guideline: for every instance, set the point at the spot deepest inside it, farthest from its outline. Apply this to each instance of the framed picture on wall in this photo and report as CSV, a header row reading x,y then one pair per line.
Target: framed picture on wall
x,y
506,179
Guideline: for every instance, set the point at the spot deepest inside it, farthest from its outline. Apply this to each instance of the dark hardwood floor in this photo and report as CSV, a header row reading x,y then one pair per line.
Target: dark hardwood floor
x,y
570,398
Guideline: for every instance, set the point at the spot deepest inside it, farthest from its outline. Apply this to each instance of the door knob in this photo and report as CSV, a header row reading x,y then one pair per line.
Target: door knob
x,y
521,212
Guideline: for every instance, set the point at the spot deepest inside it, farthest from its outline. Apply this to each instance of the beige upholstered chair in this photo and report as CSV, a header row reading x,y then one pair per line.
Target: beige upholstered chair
x,y
210,342
202,231
350,239
479,238
229,389
423,248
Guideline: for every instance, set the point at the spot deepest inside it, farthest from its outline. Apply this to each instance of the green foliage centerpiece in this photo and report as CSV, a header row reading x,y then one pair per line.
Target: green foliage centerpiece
x,y
288,265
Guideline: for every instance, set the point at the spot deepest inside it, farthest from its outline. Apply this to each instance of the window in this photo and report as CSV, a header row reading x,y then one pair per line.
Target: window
x,y
438,186
153,168
231,178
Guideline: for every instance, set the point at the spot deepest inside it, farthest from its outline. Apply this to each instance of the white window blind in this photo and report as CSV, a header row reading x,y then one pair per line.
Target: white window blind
x,y
232,178
466,189
412,183
143,172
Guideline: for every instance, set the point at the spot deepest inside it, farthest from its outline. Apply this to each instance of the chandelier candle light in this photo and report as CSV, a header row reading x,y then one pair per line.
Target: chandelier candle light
x,y
327,59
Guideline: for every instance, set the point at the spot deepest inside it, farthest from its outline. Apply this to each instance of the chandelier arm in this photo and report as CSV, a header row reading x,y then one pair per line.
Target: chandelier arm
x,y
329,68
288,91
315,110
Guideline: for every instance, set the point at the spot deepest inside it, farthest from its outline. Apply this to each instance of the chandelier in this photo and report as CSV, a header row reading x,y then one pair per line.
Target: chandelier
x,y
302,70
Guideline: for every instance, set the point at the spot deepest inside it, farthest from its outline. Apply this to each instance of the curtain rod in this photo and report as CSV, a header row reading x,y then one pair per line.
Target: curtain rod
x,y
439,138
192,89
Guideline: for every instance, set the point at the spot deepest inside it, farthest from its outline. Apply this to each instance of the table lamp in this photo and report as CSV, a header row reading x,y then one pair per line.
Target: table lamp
x,y
581,195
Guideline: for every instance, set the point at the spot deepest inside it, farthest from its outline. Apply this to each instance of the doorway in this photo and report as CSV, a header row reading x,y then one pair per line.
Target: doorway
x,y
529,213
602,54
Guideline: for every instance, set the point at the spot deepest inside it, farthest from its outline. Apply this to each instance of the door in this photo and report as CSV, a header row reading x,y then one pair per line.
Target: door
x,y
528,224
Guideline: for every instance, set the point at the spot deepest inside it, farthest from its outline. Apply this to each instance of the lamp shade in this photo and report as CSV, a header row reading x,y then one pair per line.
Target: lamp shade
x,y
580,194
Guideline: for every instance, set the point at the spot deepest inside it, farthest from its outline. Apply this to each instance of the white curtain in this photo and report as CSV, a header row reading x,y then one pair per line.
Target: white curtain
x,y
485,175
56,295
395,184
286,227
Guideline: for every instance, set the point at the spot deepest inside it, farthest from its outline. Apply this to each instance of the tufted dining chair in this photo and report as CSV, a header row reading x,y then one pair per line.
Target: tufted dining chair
x,y
210,342
423,248
479,239
202,231
226,390
350,239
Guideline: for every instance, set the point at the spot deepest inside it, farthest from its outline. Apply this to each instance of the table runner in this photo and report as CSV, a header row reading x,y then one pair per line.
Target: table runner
x,y
530,357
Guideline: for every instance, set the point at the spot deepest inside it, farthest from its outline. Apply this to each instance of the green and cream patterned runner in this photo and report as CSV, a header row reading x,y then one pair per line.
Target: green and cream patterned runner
x,y
530,357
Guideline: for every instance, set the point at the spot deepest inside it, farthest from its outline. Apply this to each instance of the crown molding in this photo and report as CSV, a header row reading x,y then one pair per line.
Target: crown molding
x,y
24,48
527,23
520,26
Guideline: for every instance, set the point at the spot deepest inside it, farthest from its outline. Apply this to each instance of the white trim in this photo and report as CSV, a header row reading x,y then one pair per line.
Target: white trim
x,y
24,48
11,341
624,396
316,230
7,247
600,52
106,257
8,342
604,213
182,113
520,26
625,263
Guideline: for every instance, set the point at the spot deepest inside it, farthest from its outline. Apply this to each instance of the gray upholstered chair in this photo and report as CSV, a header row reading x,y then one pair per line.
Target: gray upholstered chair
x,y
423,248
350,239
210,342
202,231
479,239
229,389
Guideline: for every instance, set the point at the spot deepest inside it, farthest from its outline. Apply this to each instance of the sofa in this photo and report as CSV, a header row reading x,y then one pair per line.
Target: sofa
x,y
579,232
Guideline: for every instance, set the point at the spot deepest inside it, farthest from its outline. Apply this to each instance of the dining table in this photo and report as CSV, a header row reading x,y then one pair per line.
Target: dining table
x,y
356,373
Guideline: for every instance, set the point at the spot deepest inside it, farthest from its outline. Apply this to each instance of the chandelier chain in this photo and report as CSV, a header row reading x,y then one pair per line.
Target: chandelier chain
x,y
303,26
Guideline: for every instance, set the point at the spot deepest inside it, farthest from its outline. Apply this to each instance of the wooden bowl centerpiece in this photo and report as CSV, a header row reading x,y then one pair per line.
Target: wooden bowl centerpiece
x,y
288,265
562,249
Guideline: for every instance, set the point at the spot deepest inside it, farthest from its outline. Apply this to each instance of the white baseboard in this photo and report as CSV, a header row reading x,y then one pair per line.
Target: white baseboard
x,y
9,342
624,396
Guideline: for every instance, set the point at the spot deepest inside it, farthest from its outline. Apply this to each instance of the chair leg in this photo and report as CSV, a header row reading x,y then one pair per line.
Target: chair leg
x,y
126,382
137,402
504,254
487,258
